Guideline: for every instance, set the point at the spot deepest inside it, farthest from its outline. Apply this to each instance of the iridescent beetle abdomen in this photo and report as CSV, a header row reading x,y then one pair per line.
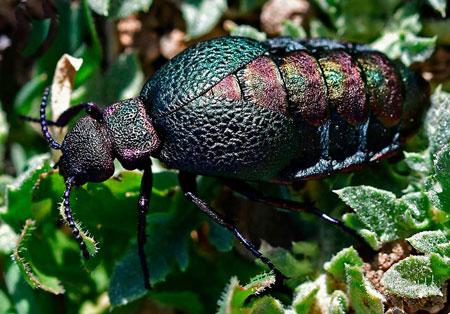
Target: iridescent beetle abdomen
x,y
328,106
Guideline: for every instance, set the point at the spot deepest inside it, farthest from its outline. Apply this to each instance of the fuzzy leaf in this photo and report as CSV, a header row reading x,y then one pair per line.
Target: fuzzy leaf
x,y
34,278
234,295
202,15
439,184
19,192
400,40
247,31
418,162
437,122
339,303
295,269
91,245
119,8
431,242
364,299
408,47
417,276
8,238
304,297
439,5
337,265
382,217
267,305
293,30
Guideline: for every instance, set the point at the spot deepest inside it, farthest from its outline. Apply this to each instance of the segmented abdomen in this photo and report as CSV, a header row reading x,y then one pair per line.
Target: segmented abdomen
x,y
349,103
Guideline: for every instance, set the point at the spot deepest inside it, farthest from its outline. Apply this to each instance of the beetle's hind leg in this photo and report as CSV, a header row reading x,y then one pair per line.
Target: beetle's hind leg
x,y
189,187
255,195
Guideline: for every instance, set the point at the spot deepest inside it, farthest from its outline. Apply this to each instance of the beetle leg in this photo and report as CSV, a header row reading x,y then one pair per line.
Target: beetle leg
x,y
189,188
143,207
255,195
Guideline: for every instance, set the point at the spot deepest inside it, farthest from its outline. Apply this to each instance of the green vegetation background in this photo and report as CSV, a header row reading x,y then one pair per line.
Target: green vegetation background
x,y
400,206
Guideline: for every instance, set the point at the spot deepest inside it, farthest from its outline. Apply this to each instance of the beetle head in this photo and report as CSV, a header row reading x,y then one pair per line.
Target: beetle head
x,y
87,152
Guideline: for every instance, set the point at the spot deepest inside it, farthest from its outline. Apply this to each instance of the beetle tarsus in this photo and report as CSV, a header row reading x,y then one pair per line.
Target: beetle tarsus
x,y
189,188
143,207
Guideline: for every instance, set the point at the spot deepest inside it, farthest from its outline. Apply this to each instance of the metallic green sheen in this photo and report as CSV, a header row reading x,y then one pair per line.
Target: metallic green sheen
x,y
196,70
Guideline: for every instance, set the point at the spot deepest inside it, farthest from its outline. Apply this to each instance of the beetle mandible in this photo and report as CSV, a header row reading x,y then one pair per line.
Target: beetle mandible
x,y
231,107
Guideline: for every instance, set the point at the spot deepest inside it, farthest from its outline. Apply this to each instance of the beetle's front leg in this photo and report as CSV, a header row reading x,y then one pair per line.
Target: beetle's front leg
x,y
143,207
189,187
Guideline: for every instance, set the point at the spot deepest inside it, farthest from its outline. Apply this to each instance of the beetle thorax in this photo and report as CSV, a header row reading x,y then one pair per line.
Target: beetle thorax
x,y
131,132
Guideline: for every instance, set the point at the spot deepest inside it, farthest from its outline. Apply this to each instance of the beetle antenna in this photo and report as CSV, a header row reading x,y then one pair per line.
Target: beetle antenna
x,y
69,219
44,126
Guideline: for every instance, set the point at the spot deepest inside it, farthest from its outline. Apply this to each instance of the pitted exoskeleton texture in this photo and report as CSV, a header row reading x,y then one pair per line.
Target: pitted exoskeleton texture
x,y
87,152
195,70
131,132
217,136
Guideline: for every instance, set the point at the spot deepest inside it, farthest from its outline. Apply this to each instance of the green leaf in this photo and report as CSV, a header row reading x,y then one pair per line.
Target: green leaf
x,y
417,276
267,305
168,236
39,31
437,122
414,208
306,248
418,162
364,299
439,184
291,29
247,31
400,40
30,93
304,297
431,242
34,278
123,79
19,192
6,306
296,270
23,297
127,283
246,6
202,15
355,20
339,303
439,5
337,265
119,8
8,238
407,47
234,295
91,245
381,217
186,301
220,237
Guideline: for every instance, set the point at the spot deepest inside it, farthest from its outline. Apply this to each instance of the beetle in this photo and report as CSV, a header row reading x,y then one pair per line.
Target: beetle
x,y
282,110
